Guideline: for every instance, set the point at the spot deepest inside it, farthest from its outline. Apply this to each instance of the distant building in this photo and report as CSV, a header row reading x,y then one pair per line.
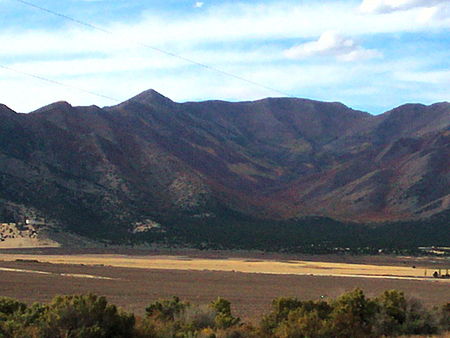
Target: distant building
x,y
35,221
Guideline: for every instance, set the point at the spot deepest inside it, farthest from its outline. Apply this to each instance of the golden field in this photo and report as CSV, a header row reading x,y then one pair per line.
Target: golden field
x,y
245,265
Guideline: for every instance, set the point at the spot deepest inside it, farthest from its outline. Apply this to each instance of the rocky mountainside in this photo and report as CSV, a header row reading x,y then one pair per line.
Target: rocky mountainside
x,y
150,161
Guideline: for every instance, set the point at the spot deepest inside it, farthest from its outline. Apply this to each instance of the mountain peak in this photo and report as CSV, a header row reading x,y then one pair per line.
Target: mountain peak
x,y
419,108
4,109
151,97
62,106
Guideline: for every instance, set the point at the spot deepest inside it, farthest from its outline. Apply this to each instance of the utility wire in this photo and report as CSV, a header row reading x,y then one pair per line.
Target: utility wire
x,y
49,11
157,49
58,83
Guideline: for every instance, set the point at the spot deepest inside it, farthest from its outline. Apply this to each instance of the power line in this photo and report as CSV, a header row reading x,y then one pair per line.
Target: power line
x,y
157,49
49,11
39,77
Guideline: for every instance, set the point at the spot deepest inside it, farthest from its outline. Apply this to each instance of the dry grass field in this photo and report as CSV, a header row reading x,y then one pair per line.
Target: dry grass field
x,y
246,265
133,281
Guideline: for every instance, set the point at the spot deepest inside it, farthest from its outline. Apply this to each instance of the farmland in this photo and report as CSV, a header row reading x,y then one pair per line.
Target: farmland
x,y
250,282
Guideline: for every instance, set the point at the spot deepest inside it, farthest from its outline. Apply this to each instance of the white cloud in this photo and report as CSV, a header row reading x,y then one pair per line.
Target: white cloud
x,y
332,44
222,24
426,12
386,6
437,77
329,43
435,14
245,39
98,66
199,4
360,54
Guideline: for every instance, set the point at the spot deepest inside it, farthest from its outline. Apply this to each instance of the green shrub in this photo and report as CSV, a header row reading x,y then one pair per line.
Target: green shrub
x,y
392,313
350,315
223,319
195,318
418,320
302,324
18,320
281,307
85,316
241,331
145,328
9,306
173,316
443,314
400,316
353,315
166,310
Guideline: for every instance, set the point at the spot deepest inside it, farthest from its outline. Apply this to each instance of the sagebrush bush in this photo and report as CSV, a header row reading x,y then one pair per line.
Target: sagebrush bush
x,y
8,306
223,318
166,309
85,316
197,317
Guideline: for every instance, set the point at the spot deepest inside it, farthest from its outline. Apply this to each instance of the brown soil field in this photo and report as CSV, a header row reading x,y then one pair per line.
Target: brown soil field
x,y
132,282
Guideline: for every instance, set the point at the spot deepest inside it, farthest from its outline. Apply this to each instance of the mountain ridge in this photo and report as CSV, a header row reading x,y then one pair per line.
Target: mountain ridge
x,y
98,170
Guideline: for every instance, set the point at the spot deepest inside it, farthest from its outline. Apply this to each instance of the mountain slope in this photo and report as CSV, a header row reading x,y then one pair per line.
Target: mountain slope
x,y
110,170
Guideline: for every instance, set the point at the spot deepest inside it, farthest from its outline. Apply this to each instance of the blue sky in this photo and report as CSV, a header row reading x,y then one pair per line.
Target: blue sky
x,y
371,55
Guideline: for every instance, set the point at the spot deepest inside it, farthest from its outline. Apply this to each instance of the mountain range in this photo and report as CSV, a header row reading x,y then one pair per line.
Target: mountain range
x,y
149,165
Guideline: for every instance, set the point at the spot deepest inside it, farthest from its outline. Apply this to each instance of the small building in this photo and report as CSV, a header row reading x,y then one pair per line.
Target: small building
x,y
35,221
